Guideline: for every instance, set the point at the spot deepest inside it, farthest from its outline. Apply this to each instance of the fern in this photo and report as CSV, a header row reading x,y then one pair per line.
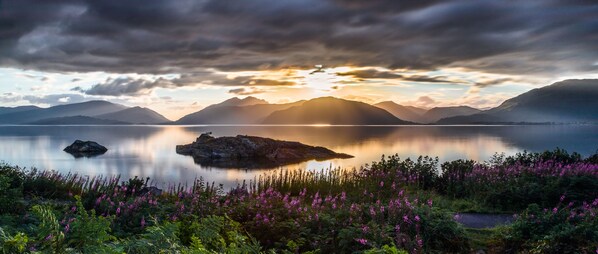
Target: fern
x,y
49,235
88,231
156,239
220,235
12,244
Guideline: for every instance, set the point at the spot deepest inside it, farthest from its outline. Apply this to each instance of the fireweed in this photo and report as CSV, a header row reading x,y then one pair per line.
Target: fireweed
x,y
333,210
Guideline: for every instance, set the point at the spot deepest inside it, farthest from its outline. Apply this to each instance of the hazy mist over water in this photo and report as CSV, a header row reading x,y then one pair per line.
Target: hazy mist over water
x,y
149,151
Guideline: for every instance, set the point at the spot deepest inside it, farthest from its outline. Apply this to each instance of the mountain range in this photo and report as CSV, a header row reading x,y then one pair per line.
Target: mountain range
x,y
425,116
568,101
333,111
249,110
91,112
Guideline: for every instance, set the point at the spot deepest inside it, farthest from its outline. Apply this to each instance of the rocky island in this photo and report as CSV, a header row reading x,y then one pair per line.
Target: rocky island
x,y
252,152
85,149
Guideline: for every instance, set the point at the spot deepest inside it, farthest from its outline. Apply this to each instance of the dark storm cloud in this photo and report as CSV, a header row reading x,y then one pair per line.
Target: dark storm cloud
x,y
370,74
128,86
121,86
184,36
376,74
493,82
245,91
427,79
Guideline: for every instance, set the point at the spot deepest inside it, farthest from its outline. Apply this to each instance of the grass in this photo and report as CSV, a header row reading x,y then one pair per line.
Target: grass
x,y
390,205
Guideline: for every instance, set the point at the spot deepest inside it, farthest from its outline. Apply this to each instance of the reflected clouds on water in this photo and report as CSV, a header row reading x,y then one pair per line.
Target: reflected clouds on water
x,y
150,150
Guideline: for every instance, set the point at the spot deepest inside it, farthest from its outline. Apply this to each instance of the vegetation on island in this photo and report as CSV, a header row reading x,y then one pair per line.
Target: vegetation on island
x,y
391,206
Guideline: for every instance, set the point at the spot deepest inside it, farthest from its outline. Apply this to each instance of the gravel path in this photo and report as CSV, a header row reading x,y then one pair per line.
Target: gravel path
x,y
481,220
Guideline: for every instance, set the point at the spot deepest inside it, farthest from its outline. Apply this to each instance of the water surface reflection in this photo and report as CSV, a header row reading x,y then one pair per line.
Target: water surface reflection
x,y
150,150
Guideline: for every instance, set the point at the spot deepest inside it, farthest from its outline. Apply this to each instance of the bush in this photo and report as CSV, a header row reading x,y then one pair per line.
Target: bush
x,y
12,244
85,231
563,229
11,189
49,236
219,234
156,239
452,177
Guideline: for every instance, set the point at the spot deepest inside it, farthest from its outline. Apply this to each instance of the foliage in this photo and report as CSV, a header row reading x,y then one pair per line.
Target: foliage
x,y
11,189
562,229
12,243
389,206
511,183
85,231
49,236
156,239
386,249
220,235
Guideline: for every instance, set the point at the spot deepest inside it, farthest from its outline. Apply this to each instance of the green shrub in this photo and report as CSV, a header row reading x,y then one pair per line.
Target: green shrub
x,y
452,177
556,230
386,249
49,236
218,234
12,244
85,231
11,189
157,239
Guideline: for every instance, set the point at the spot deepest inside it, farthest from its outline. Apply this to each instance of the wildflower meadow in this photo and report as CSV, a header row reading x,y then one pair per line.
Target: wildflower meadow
x,y
391,206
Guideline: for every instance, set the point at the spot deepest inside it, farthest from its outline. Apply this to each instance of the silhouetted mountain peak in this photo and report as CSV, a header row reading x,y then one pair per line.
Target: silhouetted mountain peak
x,y
137,115
437,113
331,110
408,113
571,100
236,101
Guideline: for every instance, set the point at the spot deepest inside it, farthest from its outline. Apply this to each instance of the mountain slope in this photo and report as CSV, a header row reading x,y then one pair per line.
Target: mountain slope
x,y
437,113
252,114
417,110
136,115
90,108
76,120
574,100
236,102
330,110
8,110
406,113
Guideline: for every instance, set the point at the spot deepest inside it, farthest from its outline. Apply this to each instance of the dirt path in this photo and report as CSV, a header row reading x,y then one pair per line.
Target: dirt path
x,y
480,220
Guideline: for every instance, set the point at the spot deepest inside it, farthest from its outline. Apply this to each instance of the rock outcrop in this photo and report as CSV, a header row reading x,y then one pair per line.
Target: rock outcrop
x,y
85,149
252,152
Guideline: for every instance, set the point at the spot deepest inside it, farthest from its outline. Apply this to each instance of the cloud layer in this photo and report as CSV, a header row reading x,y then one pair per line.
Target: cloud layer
x,y
185,36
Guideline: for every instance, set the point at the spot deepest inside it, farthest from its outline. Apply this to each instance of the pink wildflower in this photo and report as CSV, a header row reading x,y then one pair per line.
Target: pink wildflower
x,y
362,241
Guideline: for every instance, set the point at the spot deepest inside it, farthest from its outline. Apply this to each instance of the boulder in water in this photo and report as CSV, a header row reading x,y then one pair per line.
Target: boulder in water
x,y
85,149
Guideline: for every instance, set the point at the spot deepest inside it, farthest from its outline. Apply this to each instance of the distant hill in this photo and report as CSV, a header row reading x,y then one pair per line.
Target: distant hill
x,y
330,110
417,110
76,120
437,113
90,108
8,110
568,101
136,115
407,113
235,101
252,114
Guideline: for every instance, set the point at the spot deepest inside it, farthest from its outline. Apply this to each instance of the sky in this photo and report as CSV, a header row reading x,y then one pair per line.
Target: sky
x,y
177,57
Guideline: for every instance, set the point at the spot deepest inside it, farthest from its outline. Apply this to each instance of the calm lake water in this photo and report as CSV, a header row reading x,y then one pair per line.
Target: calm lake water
x,y
150,150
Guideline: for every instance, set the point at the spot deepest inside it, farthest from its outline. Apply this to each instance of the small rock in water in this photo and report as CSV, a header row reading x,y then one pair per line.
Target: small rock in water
x,y
85,149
